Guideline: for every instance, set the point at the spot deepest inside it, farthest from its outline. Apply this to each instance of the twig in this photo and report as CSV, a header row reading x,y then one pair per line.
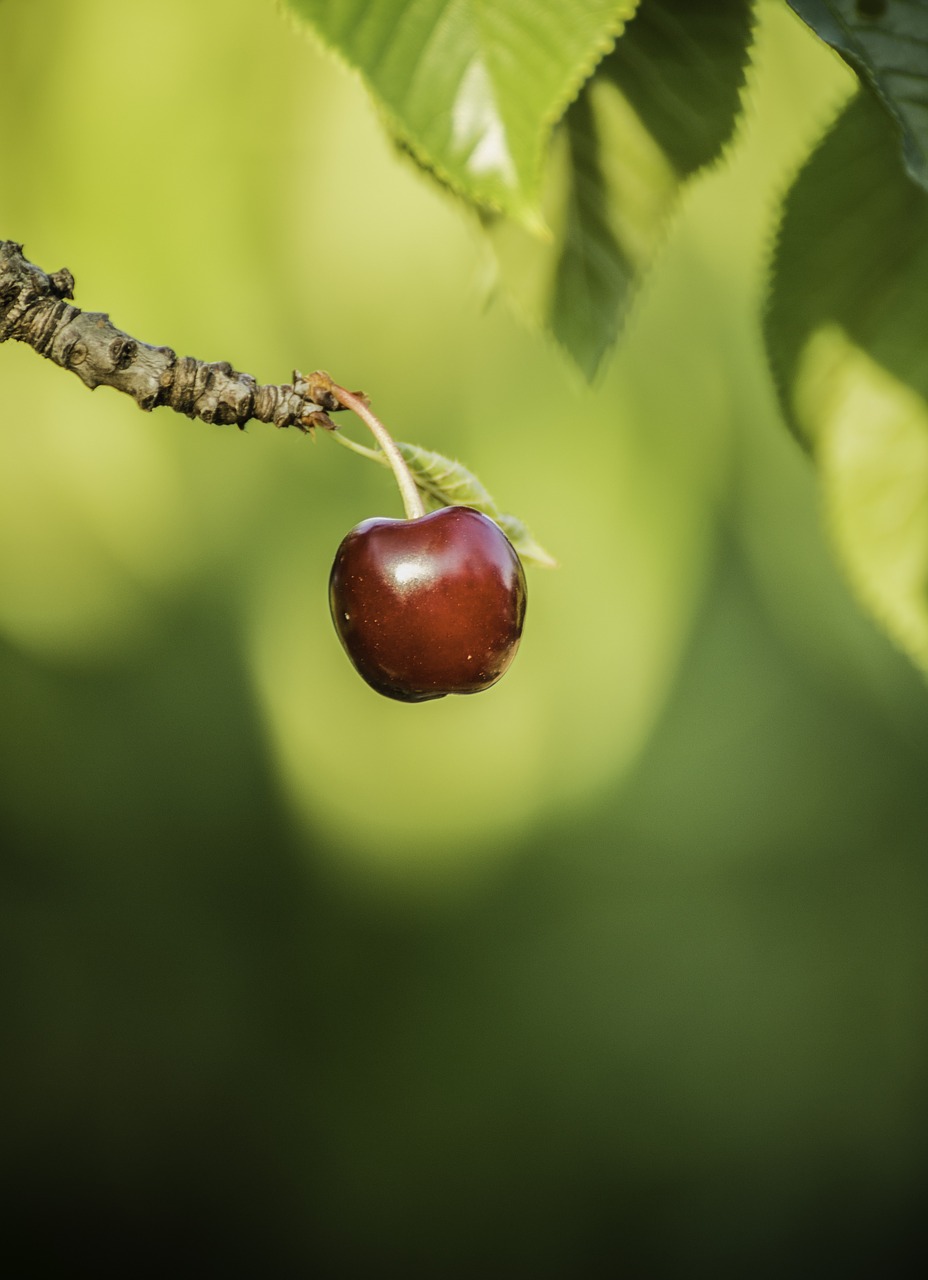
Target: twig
x,y
34,309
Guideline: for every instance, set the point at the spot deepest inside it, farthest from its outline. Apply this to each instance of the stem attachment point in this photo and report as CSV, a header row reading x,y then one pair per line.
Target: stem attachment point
x,y
329,395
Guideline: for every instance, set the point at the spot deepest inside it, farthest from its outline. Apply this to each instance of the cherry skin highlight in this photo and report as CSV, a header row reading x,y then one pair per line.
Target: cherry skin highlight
x,y
430,606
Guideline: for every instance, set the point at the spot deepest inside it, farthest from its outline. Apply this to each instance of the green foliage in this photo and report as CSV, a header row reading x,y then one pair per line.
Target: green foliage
x,y
657,109
885,42
474,92
846,324
473,87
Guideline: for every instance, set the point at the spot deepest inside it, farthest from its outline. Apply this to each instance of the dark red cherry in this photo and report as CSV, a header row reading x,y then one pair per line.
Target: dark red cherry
x,y
430,606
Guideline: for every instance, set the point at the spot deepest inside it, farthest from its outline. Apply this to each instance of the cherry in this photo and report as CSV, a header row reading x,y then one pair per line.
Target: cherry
x,y
428,606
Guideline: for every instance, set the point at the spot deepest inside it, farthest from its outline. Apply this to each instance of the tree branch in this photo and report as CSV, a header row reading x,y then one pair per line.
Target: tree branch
x,y
34,309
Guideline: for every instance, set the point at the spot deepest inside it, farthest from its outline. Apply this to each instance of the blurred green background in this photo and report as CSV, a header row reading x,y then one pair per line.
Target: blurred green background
x,y
618,968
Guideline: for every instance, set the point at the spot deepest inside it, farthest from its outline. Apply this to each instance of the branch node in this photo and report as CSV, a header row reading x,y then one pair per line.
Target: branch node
x,y
122,351
62,283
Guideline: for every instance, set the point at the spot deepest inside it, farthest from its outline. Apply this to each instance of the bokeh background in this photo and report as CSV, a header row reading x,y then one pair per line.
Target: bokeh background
x,y
618,968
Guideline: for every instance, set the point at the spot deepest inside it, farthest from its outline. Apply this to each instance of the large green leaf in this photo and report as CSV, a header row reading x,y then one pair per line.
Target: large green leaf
x,y
657,109
473,87
886,41
846,331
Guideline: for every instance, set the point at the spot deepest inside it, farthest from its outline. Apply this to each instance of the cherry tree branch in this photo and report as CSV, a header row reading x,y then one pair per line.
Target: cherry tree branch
x,y
35,309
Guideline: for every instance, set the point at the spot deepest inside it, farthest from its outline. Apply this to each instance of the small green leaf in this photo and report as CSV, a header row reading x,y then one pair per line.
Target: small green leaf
x,y
885,41
445,483
846,326
657,109
473,87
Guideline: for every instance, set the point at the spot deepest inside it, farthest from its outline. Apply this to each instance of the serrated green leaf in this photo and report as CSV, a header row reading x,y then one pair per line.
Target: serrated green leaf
x,y
445,483
885,41
845,329
473,87
853,251
657,109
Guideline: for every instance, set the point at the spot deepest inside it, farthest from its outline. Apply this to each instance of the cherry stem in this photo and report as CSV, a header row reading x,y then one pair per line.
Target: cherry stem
x,y
412,499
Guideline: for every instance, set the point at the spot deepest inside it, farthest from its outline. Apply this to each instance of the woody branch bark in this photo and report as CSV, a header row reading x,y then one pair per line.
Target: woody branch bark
x,y
35,309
